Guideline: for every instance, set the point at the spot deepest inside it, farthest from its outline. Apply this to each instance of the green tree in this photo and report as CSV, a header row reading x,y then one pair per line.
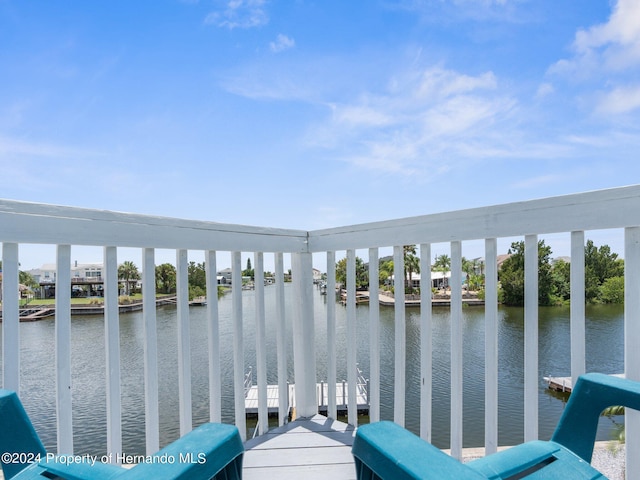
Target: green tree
x,y
612,290
165,278
561,279
468,269
362,273
411,264
25,278
600,264
442,263
197,277
248,272
196,273
385,270
128,272
512,275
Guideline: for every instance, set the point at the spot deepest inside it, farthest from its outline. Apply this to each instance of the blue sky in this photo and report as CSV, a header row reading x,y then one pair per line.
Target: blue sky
x,y
311,114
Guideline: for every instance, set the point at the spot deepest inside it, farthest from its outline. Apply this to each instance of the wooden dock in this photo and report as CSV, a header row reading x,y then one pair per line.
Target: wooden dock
x,y
322,396
34,314
565,384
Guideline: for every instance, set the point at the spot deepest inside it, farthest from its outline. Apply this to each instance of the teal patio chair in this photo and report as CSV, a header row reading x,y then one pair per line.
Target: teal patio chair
x,y
211,451
385,451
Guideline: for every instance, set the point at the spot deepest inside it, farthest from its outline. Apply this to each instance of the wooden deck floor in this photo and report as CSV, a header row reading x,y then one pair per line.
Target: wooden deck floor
x,y
308,448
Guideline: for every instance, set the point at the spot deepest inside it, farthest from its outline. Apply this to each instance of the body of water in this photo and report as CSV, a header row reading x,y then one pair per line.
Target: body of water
x,y
604,354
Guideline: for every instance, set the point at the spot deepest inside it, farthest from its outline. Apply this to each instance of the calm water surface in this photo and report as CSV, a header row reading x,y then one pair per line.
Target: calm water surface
x,y
604,354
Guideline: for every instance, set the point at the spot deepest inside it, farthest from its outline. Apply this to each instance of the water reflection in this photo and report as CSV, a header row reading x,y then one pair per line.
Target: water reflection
x,y
604,353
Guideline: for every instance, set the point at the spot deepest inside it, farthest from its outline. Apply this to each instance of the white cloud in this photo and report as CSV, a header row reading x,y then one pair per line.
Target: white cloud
x,y
282,43
239,14
438,82
544,90
423,120
608,53
620,100
12,147
620,36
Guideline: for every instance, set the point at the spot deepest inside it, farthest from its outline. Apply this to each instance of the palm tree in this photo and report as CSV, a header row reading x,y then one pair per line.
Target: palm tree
x,y
468,269
128,272
165,277
442,263
411,264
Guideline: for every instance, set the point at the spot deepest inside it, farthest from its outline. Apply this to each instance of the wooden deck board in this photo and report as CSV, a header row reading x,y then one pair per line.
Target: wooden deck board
x,y
311,448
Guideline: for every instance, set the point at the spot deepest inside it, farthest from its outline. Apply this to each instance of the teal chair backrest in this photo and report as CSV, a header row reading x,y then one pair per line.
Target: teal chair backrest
x,y
593,393
19,441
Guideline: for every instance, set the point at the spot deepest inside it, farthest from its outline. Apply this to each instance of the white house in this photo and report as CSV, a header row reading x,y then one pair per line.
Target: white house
x,y
438,279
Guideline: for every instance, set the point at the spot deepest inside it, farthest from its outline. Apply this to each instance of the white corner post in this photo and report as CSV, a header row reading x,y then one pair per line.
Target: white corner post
x,y
631,342
304,335
10,318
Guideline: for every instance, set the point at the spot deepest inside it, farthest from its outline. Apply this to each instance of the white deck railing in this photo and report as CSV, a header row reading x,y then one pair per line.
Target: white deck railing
x,y
26,223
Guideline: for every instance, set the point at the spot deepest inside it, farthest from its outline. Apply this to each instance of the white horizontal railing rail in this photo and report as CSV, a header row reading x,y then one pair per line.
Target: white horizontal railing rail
x,y
63,227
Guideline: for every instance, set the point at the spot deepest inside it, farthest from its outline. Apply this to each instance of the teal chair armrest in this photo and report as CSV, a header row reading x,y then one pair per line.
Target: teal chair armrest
x,y
593,392
384,450
536,459
211,449
56,467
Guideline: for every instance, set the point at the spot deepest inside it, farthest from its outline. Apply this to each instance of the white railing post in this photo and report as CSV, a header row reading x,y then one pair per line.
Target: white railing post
x,y
303,335
213,340
332,380
456,350
184,342
491,347
426,358
631,342
238,345
531,338
10,317
352,407
112,352
281,343
400,337
261,343
151,405
63,349
373,392
577,320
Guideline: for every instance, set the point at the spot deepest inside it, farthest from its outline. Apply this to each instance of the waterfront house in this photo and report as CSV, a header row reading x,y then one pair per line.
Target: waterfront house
x,y
324,452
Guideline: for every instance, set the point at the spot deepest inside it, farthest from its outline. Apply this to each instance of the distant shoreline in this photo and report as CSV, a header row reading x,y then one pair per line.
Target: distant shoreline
x,y
35,312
